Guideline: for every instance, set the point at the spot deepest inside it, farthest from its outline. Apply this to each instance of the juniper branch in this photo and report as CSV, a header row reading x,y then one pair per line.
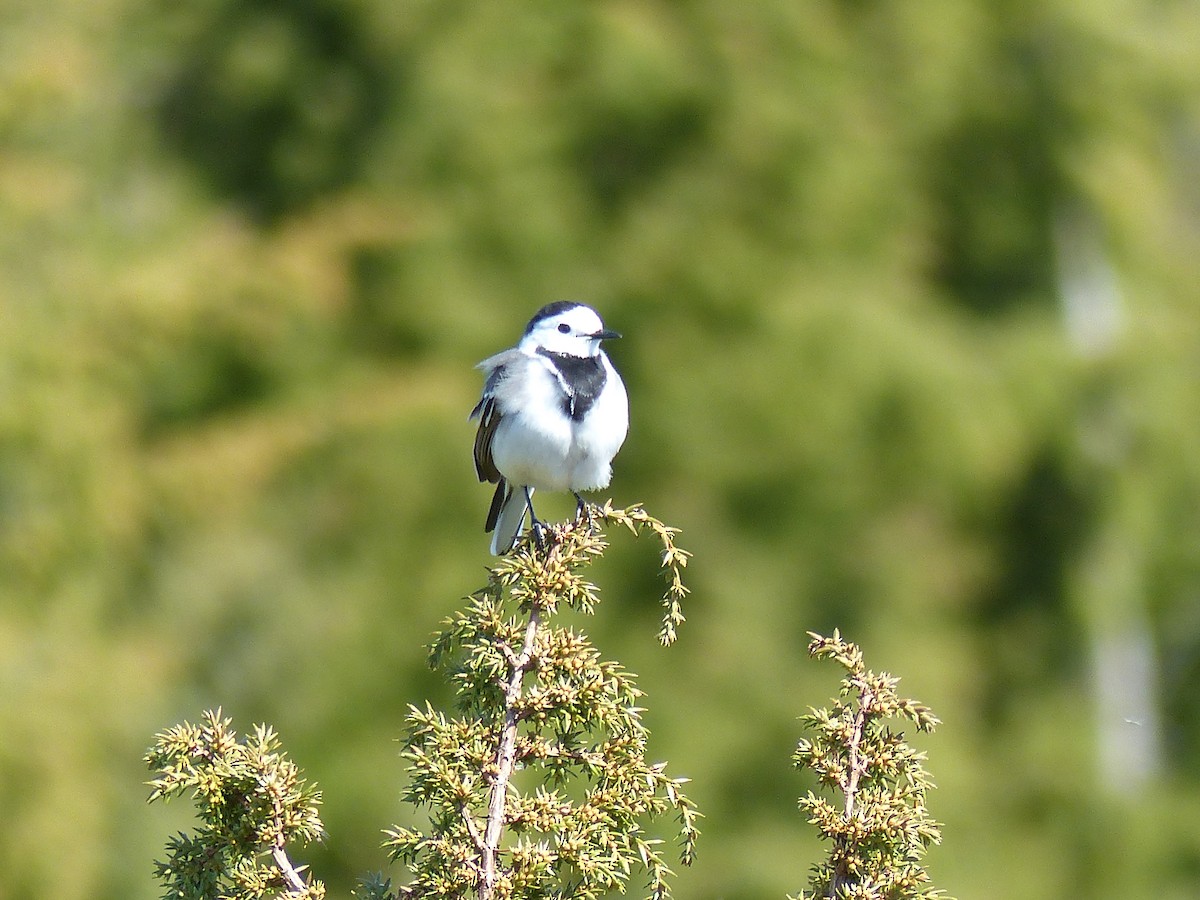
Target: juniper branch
x,y
251,802
537,696
506,753
879,836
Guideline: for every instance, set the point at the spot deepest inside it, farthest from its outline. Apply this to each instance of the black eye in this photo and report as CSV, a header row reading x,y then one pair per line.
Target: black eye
x,y
564,328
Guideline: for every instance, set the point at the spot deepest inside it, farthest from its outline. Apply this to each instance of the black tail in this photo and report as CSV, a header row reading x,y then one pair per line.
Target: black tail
x,y
498,499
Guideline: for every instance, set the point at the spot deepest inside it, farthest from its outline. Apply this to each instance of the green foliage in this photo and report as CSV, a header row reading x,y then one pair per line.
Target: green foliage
x,y
250,250
252,805
880,828
539,786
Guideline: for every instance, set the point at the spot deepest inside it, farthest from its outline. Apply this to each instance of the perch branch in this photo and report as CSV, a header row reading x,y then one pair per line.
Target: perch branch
x,y
506,754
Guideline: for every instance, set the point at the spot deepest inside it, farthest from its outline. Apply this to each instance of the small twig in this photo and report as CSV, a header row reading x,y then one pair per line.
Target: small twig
x,y
856,762
587,757
841,875
473,829
510,656
291,876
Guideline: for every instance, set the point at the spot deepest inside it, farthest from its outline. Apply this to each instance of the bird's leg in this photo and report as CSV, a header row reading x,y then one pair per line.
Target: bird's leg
x,y
583,511
536,525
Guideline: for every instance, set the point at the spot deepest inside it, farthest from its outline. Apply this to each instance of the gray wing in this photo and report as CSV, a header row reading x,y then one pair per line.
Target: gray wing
x,y
500,368
489,421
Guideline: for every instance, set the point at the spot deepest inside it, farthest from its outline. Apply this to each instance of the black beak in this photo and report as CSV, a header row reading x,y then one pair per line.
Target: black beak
x,y
606,335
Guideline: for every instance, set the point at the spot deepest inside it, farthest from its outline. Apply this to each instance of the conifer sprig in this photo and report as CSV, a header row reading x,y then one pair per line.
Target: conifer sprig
x,y
879,828
252,804
674,560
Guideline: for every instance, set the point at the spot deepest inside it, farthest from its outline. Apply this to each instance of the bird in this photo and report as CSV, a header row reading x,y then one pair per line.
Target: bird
x,y
553,414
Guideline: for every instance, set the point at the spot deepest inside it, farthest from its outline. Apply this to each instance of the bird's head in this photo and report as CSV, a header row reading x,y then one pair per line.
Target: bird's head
x,y
566,327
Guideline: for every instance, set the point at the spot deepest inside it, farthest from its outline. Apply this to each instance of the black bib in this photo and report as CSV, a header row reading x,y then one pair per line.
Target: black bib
x,y
583,377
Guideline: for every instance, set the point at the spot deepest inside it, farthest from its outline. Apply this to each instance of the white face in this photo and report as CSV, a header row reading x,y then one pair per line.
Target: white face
x,y
576,331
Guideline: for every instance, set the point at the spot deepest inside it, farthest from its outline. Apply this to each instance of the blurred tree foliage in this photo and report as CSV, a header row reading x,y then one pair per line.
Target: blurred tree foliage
x,y
250,250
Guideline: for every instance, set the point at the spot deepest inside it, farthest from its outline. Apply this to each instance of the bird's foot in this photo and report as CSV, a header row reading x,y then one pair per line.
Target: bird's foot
x,y
538,529
585,513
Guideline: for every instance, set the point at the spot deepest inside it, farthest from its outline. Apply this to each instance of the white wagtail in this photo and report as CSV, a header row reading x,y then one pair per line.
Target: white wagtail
x,y
553,414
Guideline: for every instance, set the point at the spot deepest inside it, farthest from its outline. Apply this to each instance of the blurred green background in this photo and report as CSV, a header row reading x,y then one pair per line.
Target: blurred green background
x,y
910,296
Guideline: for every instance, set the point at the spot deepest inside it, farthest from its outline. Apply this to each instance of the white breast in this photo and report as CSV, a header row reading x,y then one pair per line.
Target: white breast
x,y
600,435
538,444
